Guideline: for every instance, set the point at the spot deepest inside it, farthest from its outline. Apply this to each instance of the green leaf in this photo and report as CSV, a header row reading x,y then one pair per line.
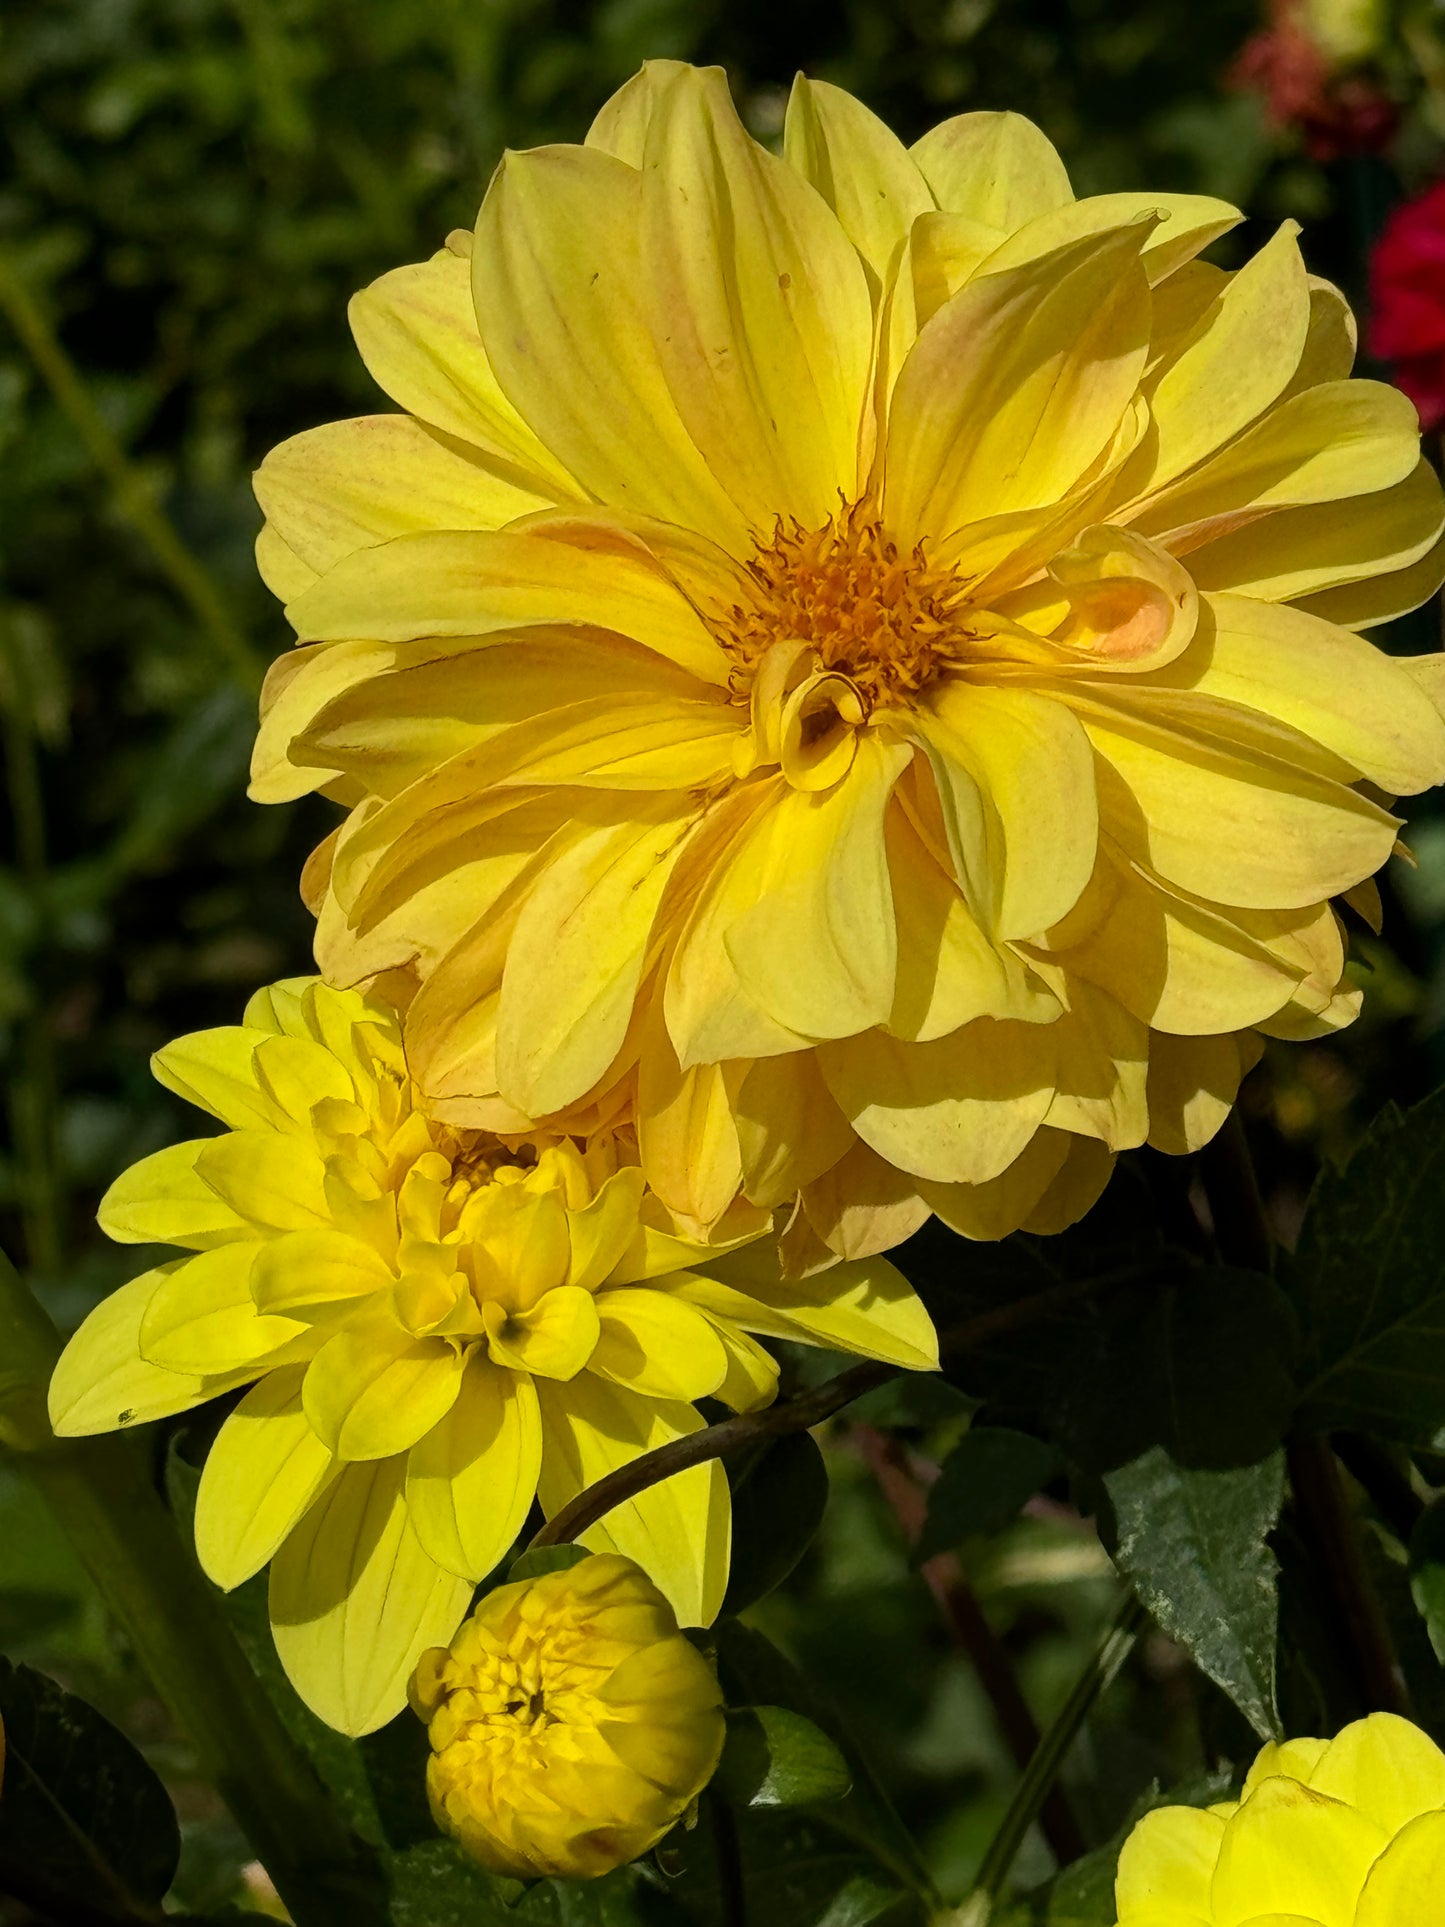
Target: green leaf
x,y
779,1495
754,1673
84,1822
1194,1544
795,1874
545,1559
1369,1285
1427,1573
986,1480
775,1757
1199,1359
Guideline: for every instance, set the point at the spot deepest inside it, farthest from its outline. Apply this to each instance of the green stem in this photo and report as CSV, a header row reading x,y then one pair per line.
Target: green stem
x,y
32,1098
101,1495
133,496
1063,1730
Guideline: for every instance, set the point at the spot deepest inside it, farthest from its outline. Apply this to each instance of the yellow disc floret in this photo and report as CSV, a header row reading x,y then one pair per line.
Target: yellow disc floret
x,y
571,1724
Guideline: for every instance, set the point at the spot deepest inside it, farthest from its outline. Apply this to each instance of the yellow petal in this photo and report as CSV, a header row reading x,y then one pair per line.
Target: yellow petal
x,y
859,1207
1176,964
751,1380
654,1345
686,1132
261,1474
864,1305
101,1383
161,1200
1341,438
959,1110
475,583
1288,1849
621,124
818,950
995,168
1187,224
1249,830
416,329
353,483
280,568
302,1270
553,1338
355,1601
214,1070
1323,681
1235,362
1074,1189
679,1532
1017,385
559,280
576,957
789,1129
710,1016
858,165
373,1390
1168,1861
1309,551
1015,776
203,1318
1002,1204
1380,598
604,1228
1386,1767
1101,1064
1405,1883
275,1181
761,311
948,970
471,1480
1193,1082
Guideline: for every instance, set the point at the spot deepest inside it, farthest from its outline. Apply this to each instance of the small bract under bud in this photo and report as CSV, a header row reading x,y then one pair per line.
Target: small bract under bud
x,y
571,1723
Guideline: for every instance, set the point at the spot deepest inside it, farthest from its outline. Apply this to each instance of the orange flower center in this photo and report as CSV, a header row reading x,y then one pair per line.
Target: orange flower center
x,y
889,622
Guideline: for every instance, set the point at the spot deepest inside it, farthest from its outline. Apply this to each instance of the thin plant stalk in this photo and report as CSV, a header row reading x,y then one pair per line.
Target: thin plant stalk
x,y
132,494
1047,1763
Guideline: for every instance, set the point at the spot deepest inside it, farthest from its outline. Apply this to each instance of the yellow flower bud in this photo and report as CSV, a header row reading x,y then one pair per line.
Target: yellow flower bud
x,y
1348,1832
571,1723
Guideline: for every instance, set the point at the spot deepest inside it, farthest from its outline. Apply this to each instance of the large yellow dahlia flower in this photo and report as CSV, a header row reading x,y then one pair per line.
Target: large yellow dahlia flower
x,y
854,649
571,1723
438,1326
1347,1832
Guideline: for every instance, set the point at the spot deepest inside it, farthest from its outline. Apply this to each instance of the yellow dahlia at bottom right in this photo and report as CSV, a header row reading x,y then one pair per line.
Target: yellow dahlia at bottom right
x,y
1348,1832
853,655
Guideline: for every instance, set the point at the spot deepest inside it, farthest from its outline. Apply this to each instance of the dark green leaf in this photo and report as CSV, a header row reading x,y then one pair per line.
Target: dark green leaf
x,y
775,1757
1194,1543
779,1495
986,1479
795,1872
83,1819
1369,1284
545,1559
754,1673
1427,1573
1199,1359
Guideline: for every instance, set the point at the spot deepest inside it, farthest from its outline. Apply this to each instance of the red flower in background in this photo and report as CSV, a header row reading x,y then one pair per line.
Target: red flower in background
x,y
1339,113
1407,301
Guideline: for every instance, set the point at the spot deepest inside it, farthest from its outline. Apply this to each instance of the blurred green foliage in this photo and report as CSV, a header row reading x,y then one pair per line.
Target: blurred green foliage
x,y
190,190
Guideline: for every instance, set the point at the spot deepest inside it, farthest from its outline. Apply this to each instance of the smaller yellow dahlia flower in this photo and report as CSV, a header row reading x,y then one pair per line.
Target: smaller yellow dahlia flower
x,y
571,1723
437,1326
1347,1832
